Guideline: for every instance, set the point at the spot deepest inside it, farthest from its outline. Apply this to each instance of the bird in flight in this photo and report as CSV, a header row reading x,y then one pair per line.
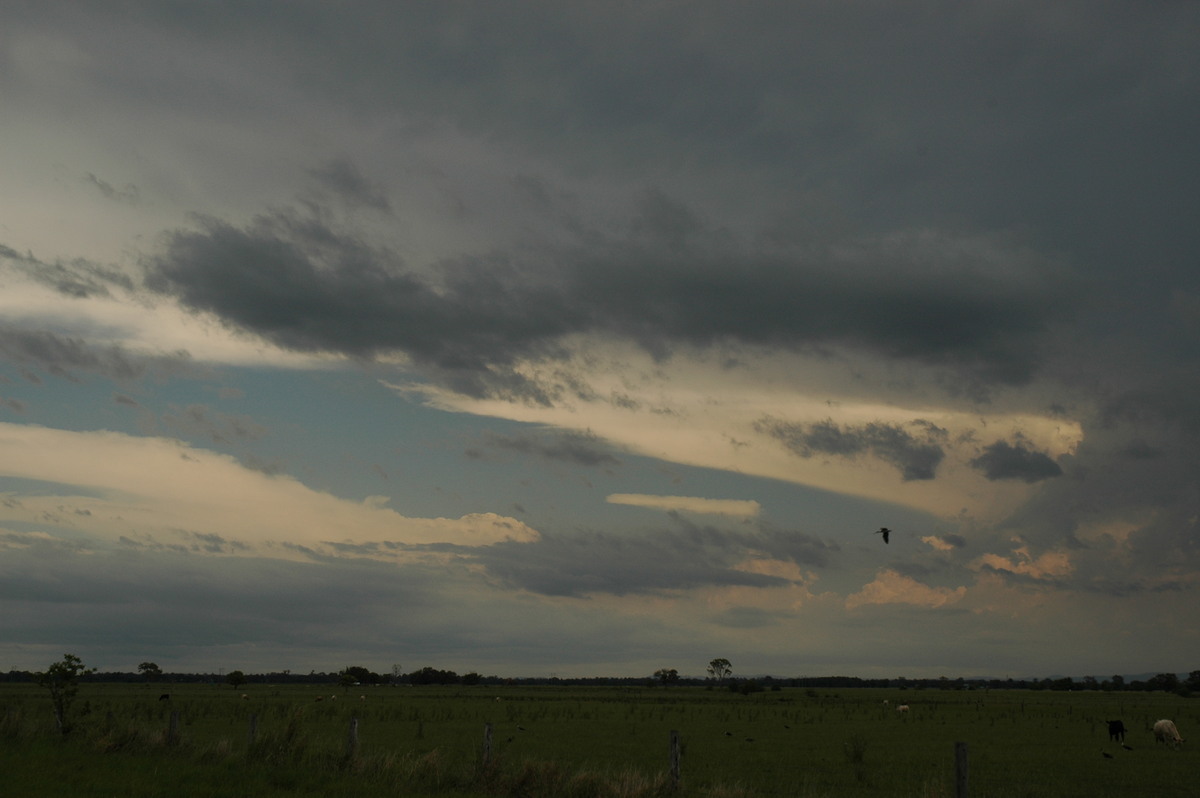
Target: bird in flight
x,y
885,532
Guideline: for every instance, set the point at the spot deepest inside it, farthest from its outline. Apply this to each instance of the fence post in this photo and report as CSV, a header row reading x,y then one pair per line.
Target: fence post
x,y
173,729
674,759
960,770
487,743
352,738
253,726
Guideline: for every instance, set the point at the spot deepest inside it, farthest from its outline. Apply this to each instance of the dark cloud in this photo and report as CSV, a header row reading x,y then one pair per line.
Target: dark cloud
x,y
303,283
344,179
907,103
1140,450
1003,460
62,356
682,556
580,448
177,600
916,455
77,278
597,563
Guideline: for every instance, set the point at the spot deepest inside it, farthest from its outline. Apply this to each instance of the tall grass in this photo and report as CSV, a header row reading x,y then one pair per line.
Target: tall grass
x,y
592,743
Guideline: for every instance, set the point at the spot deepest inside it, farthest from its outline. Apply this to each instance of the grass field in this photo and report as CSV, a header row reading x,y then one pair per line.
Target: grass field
x,y
571,741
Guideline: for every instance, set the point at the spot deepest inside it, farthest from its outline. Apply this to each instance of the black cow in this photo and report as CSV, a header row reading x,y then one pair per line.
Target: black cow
x,y
165,697
1116,731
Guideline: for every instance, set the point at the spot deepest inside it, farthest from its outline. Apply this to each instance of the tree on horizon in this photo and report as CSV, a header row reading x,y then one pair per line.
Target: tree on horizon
x,y
720,669
62,680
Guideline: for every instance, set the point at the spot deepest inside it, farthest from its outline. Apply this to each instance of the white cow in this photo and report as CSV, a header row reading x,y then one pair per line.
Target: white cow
x,y
902,708
1165,732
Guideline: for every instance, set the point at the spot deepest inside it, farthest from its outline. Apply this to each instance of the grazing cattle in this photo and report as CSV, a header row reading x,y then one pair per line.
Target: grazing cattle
x,y
165,697
902,708
320,698
245,697
1116,731
1165,732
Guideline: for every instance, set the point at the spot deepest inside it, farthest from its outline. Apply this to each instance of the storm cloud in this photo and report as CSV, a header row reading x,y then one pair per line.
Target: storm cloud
x,y
707,297
1002,460
304,284
915,455
681,556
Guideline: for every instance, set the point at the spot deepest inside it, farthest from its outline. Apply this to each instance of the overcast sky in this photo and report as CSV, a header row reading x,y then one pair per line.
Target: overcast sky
x,y
585,338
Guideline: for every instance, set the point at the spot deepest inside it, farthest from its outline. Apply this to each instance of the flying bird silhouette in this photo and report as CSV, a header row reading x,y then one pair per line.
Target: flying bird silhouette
x,y
885,532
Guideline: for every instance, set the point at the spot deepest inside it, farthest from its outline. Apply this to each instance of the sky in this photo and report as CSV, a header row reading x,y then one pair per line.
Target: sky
x,y
588,339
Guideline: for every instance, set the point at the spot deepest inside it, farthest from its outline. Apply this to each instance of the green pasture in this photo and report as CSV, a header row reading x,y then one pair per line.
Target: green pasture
x,y
563,741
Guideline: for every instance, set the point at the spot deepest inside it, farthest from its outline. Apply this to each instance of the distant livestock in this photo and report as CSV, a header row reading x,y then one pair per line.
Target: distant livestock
x,y
1116,731
245,697
902,708
165,697
1165,732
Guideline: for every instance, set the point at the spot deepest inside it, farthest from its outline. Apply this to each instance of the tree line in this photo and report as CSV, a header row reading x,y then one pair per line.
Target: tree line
x,y
720,673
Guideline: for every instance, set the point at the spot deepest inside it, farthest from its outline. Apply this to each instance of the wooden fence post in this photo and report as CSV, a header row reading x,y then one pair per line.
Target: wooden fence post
x,y
487,743
173,729
674,759
253,726
352,738
960,770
